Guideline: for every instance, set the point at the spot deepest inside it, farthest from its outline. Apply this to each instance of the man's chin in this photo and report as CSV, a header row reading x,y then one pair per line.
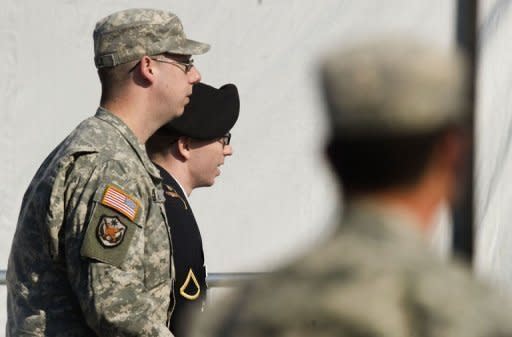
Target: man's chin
x,y
206,184
176,115
180,112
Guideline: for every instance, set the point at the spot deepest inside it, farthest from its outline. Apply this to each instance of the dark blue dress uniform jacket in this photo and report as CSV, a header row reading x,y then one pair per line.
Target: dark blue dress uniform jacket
x,y
190,286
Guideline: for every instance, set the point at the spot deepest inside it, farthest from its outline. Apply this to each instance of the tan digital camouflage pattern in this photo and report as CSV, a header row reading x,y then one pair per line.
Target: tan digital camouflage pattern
x,y
393,87
57,284
374,278
130,34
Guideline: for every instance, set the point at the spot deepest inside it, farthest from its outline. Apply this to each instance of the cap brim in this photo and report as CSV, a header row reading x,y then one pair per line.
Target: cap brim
x,y
191,47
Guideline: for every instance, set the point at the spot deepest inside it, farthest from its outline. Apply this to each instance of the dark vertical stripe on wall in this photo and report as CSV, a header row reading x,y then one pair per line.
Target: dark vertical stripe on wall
x,y
463,209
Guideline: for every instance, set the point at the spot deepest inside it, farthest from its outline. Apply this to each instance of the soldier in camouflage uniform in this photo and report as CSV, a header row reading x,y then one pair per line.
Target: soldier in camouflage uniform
x,y
92,253
397,113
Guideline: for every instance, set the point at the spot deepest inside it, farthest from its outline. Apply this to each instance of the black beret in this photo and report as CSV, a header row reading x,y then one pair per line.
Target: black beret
x,y
210,114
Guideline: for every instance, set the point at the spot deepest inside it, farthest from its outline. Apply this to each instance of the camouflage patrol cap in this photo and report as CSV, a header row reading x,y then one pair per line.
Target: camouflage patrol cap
x,y
394,87
128,35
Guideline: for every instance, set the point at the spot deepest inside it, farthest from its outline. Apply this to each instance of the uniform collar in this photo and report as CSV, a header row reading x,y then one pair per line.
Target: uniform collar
x,y
168,179
180,187
366,216
130,137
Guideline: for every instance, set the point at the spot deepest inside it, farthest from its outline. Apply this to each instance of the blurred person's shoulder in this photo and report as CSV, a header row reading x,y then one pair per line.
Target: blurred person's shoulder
x,y
353,285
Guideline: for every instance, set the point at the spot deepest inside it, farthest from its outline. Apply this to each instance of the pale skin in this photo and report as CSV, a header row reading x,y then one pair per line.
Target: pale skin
x,y
194,163
154,94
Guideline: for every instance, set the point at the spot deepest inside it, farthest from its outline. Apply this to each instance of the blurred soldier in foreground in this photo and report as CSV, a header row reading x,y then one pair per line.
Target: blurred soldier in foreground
x,y
188,152
397,114
92,253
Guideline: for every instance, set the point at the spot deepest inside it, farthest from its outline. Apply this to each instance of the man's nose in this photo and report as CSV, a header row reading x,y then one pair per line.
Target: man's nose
x,y
194,75
228,150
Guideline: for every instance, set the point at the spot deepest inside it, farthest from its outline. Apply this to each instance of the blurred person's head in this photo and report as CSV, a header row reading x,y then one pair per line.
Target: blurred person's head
x,y
397,112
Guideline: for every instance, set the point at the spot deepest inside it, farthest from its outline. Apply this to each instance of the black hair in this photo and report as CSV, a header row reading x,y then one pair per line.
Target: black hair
x,y
161,142
113,79
375,163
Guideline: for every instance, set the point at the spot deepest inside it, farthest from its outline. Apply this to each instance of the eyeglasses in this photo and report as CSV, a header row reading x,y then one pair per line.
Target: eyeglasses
x,y
226,139
184,66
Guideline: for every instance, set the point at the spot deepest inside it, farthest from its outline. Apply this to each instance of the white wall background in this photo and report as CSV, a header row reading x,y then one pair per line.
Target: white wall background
x,y
275,195
494,156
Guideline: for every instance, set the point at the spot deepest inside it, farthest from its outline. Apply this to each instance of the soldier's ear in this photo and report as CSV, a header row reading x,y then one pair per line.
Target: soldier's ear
x,y
147,69
184,147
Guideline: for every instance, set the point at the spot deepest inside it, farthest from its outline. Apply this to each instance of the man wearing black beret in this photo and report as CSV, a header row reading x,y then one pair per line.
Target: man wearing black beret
x,y
188,151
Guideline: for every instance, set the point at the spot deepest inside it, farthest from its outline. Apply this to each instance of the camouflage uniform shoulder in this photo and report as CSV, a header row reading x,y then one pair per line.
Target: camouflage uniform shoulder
x,y
93,146
94,135
104,140
353,285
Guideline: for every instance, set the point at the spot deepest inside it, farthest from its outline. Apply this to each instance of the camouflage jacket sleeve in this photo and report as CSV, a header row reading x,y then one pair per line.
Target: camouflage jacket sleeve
x,y
117,251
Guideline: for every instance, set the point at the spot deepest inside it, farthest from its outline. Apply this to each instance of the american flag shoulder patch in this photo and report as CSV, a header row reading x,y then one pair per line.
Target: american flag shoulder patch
x,y
120,201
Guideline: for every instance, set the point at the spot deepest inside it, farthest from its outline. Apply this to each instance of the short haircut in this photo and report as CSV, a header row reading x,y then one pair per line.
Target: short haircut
x,y
114,78
160,143
375,163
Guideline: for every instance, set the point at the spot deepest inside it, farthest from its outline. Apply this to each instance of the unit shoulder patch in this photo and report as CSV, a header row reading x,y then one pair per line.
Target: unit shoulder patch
x,y
108,236
110,231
